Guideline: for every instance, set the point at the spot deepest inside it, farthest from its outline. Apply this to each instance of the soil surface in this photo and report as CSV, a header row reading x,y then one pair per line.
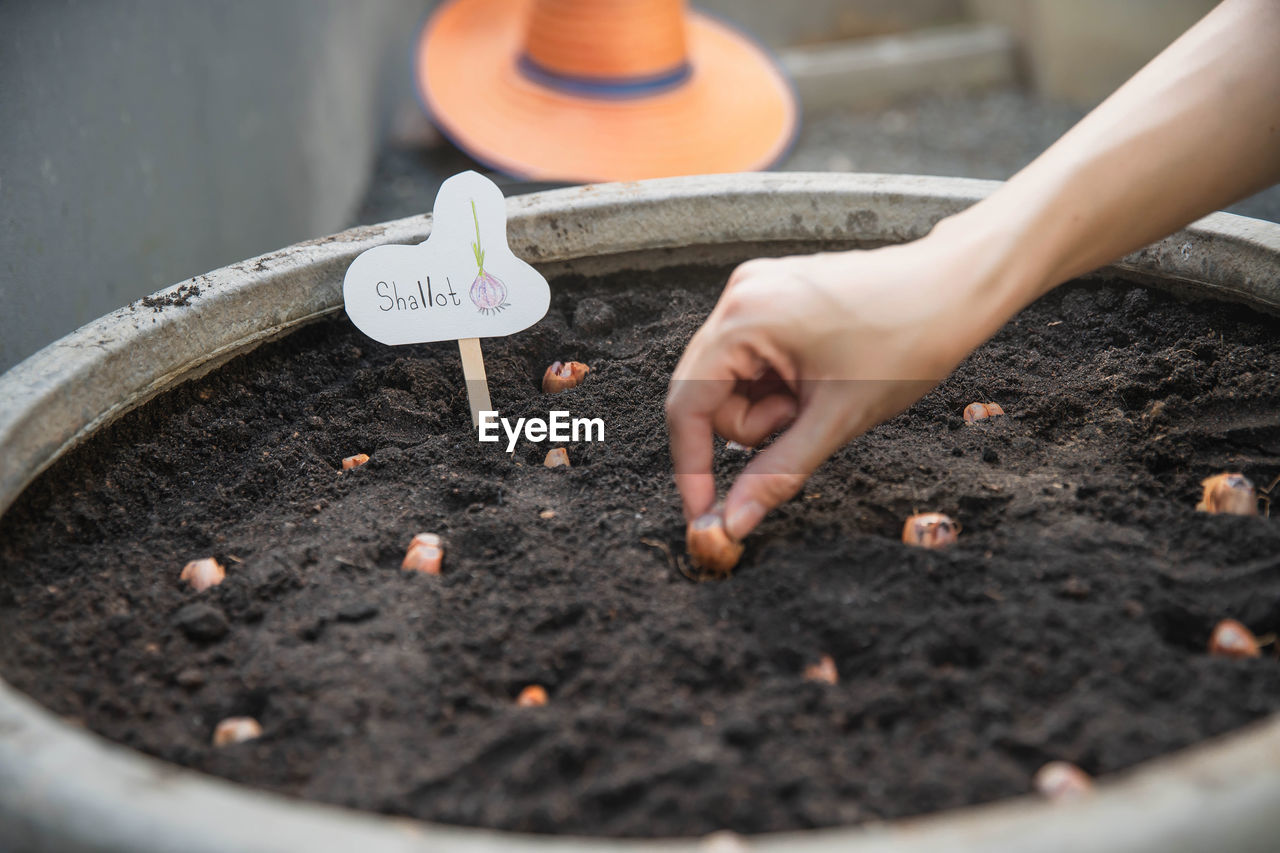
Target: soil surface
x,y
1069,622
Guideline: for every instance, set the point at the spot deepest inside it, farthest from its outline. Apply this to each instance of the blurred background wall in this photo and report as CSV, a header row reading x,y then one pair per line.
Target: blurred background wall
x,y
147,141
143,142
1082,50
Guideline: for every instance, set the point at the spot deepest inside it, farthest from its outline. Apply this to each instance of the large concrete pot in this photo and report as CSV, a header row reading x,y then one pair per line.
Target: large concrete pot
x,y
64,789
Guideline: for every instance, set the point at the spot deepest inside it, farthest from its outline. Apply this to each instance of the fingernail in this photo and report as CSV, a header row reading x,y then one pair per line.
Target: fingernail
x,y
743,519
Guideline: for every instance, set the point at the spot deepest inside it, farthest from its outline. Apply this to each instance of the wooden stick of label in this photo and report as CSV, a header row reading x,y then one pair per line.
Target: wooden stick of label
x,y
473,373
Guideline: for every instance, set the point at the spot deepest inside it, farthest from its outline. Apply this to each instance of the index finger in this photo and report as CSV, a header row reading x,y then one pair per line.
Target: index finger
x,y
703,381
690,405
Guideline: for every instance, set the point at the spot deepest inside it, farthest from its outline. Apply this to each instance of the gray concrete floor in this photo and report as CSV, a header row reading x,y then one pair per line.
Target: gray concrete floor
x,y
982,135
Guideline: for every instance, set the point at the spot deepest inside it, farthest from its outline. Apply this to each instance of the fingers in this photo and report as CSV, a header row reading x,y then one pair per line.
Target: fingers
x,y
691,404
781,469
691,458
701,398
702,384
735,418
750,422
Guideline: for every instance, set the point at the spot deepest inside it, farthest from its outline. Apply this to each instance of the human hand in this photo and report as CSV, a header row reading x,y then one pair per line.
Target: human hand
x,y
824,347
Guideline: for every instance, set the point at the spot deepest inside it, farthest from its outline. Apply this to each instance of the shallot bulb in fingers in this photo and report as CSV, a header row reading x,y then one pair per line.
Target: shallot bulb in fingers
x,y
710,547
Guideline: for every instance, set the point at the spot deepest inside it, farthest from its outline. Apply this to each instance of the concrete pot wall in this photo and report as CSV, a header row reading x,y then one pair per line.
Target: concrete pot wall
x,y
65,789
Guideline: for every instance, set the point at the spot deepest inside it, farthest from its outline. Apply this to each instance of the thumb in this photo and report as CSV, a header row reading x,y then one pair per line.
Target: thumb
x,y
780,470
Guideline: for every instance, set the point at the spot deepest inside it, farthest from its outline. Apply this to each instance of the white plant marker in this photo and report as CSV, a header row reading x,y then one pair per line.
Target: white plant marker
x,y
463,283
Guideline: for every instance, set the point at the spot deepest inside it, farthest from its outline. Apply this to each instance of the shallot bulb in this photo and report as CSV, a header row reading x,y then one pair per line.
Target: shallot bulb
x,y
823,671
1231,493
1062,780
930,530
354,461
202,574
1231,639
981,411
236,730
425,554
563,375
487,292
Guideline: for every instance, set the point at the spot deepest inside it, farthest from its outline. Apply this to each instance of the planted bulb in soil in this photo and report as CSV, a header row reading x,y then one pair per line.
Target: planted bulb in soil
x,y
561,376
823,671
930,530
1062,781
981,411
354,461
1233,640
1231,493
235,730
203,574
425,554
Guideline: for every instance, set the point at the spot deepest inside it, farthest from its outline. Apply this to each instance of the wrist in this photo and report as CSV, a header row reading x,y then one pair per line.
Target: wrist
x,y
1009,255
991,267
1008,242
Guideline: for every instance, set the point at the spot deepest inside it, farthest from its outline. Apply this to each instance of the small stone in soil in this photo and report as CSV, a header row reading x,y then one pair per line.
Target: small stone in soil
x,y
593,317
190,678
311,631
357,612
742,730
202,622
1075,588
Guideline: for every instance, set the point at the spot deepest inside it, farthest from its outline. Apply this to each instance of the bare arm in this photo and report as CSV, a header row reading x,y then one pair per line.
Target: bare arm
x,y
1195,130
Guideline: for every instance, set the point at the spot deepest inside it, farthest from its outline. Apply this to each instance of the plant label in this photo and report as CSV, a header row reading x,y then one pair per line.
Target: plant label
x,y
463,283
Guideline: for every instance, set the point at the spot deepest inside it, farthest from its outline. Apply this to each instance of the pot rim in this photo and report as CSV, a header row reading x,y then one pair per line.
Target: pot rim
x,y
64,788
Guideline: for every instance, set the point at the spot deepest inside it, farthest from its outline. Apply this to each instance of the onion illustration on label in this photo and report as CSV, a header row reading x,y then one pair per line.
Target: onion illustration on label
x,y
487,292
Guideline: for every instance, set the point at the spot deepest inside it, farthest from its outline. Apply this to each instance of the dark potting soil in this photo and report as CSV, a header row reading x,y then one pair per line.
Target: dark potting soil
x,y
1069,622
179,296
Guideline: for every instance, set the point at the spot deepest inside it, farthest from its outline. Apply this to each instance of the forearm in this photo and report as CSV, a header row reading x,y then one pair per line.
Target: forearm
x,y
1197,129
